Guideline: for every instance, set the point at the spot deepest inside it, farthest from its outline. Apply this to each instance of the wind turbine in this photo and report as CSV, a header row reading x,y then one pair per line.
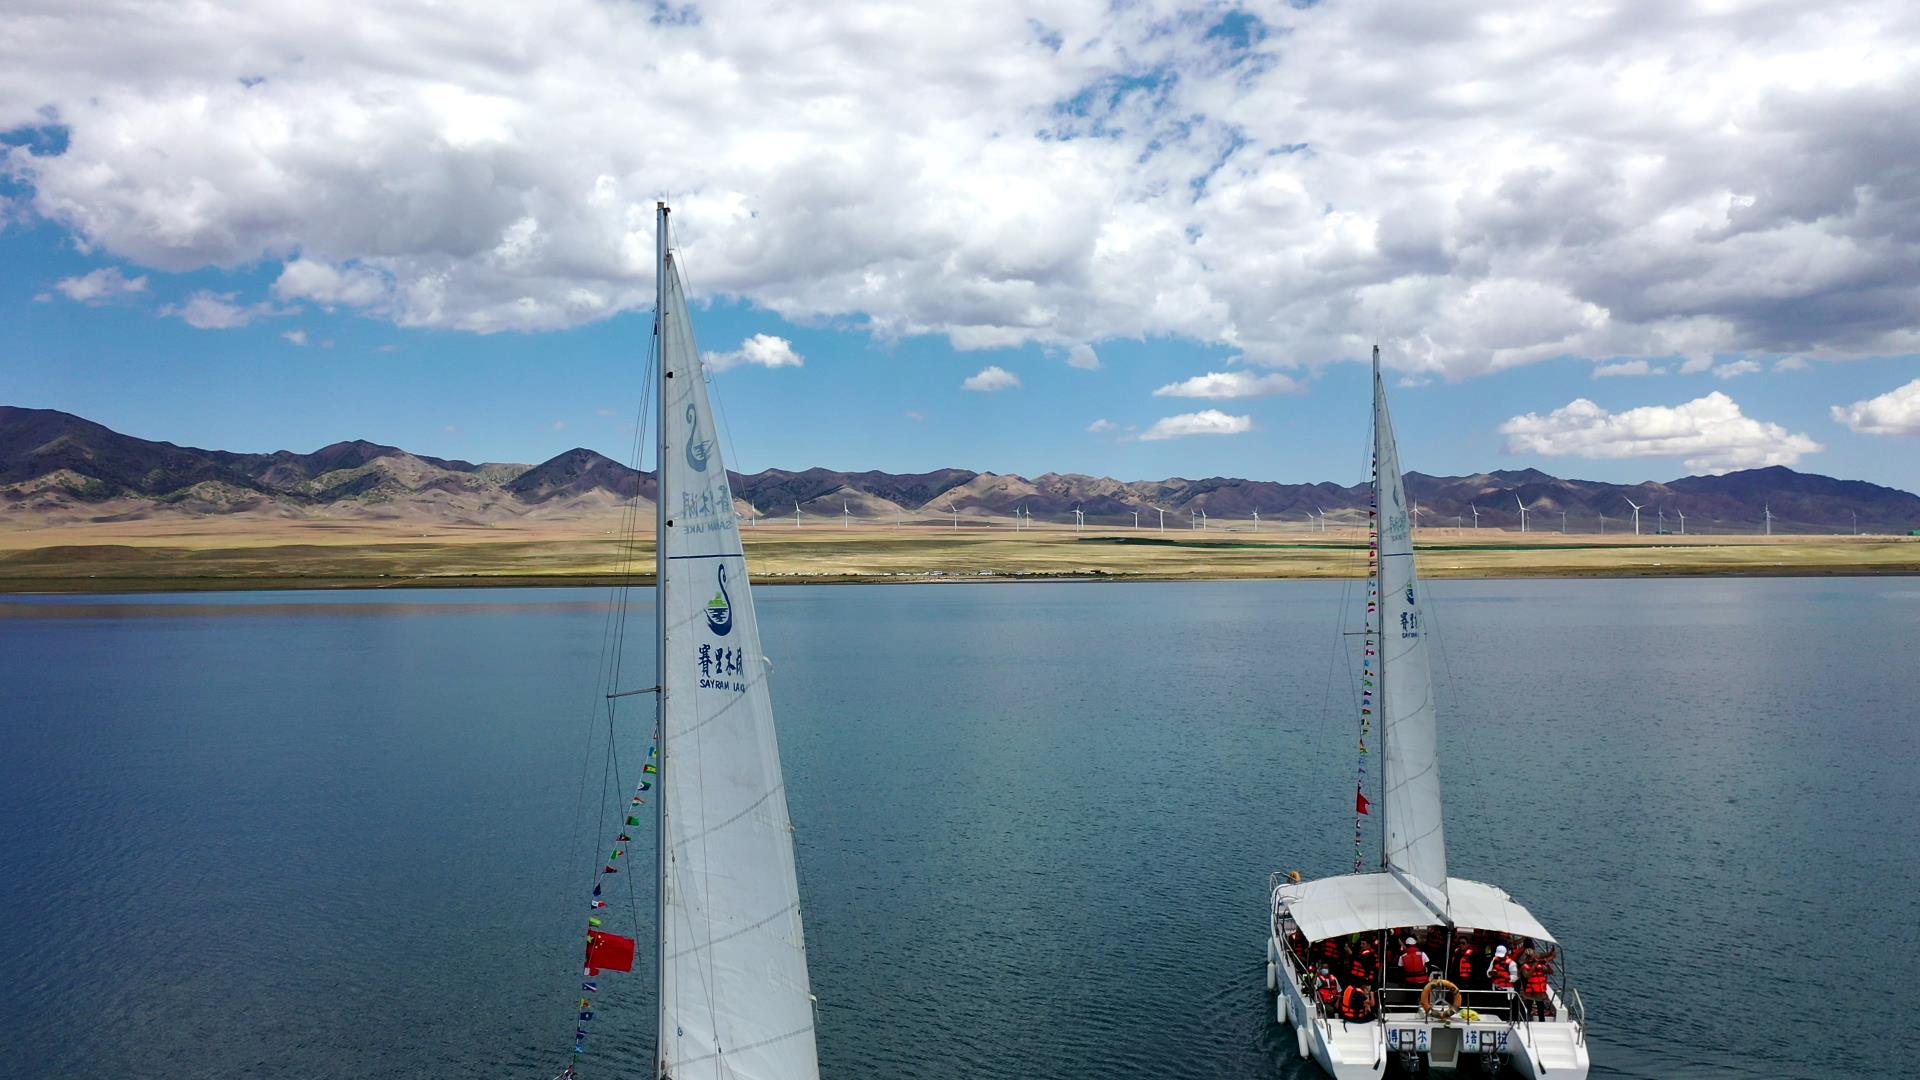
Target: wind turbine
x,y
1636,515
1457,519
1768,508
1163,519
846,515
1193,519
1563,522
1856,521
1476,514
1603,524
1523,512
1659,521
1323,519
1079,519
1683,520
796,514
1136,519
1203,519
1256,522
956,513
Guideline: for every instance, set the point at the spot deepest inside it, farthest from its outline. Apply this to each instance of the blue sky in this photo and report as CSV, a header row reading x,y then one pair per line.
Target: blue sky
x,y
464,239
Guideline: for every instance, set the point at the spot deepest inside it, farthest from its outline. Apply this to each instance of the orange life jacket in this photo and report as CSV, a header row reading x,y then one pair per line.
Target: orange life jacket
x,y
1353,1003
1502,973
1466,964
1362,966
1536,978
1327,991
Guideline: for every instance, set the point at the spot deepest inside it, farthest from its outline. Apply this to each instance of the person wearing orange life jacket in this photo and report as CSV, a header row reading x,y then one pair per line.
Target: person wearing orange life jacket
x,y
1464,967
1361,966
1356,1004
1413,964
1535,969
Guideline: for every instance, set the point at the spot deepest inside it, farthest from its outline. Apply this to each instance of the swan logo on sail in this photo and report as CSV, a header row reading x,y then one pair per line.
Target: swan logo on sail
x,y
698,449
720,609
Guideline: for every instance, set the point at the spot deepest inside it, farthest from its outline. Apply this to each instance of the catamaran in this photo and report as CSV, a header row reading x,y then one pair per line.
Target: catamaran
x,y
1405,965
730,958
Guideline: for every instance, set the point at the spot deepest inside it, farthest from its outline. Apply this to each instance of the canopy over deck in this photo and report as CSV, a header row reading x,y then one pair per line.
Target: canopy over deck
x,y
1353,903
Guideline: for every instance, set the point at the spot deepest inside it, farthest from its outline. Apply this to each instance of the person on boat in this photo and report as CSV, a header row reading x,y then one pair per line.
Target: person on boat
x,y
1326,989
1466,964
1363,964
1536,969
1503,974
1356,1004
1413,963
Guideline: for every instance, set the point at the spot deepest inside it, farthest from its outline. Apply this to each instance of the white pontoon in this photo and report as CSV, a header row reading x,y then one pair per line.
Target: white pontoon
x,y
1458,1010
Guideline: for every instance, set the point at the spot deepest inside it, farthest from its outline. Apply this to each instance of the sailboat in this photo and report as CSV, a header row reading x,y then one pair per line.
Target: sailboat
x,y
1443,972
730,957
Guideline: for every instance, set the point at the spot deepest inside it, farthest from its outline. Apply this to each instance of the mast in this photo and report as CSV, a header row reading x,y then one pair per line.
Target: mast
x,y
1375,626
660,504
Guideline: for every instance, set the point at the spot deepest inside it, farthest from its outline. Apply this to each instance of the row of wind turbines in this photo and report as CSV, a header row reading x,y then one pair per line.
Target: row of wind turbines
x,y
1198,521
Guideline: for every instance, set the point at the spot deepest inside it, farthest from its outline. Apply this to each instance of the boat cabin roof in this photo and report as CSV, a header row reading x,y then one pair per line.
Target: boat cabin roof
x,y
1353,903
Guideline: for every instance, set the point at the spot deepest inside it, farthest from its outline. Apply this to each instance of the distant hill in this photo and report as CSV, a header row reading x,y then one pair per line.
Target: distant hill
x,y
57,467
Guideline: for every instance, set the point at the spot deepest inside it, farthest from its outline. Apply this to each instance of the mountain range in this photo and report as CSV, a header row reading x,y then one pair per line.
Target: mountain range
x,y
59,468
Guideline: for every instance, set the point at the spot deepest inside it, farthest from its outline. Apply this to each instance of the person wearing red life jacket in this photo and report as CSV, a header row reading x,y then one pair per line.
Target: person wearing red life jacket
x,y
1356,1004
1413,964
1503,974
1326,990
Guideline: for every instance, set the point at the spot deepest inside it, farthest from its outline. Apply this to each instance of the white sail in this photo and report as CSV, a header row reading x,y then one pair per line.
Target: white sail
x,y
1416,844
734,997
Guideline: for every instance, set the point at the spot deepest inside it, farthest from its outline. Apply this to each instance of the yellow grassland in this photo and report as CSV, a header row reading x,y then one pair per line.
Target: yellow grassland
x,y
242,553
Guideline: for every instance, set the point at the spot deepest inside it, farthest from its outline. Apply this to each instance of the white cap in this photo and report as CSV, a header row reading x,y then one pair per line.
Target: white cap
x,y
1501,951
1409,941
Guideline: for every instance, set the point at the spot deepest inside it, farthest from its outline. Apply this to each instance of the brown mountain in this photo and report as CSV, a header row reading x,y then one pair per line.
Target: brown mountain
x,y
59,467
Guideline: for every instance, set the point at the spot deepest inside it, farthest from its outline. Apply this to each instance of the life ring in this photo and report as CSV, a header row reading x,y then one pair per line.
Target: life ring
x,y
1444,1009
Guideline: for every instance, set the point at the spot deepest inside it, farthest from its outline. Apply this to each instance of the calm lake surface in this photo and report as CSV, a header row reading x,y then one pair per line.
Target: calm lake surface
x,y
339,834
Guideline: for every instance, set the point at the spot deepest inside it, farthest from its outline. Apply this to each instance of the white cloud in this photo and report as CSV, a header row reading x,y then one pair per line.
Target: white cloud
x,y
1790,363
763,350
1694,365
1710,433
1733,369
559,425
1896,412
914,415
1083,357
1102,424
100,285
990,379
298,337
1230,384
207,310
1204,422
1627,367
1502,183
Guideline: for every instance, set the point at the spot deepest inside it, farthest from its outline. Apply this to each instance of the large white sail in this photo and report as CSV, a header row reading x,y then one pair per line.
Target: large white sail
x,y
1416,844
734,997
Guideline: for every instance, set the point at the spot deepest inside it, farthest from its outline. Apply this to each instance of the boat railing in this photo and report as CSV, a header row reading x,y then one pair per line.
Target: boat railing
x,y
1489,1004
1579,1015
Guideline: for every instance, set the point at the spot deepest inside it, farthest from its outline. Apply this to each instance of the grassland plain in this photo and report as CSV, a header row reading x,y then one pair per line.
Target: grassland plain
x,y
196,554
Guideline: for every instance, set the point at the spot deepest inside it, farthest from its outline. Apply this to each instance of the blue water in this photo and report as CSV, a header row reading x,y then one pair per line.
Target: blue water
x,y
341,834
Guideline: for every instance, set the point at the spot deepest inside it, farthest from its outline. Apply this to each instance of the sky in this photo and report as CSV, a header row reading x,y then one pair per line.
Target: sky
x,y
1617,241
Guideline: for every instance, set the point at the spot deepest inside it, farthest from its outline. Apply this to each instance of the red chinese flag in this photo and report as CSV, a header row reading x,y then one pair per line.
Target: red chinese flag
x,y
1359,807
609,951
